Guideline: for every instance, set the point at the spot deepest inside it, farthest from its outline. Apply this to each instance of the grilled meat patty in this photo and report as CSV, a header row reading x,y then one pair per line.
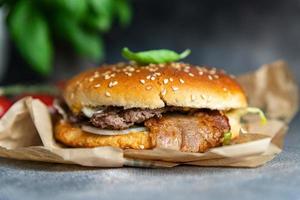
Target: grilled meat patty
x,y
118,118
189,133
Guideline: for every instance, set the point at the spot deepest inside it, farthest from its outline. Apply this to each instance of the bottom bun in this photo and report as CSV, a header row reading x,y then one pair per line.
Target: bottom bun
x,y
73,136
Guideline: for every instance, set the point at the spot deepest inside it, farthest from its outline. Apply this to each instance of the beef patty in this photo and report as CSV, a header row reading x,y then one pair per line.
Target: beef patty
x,y
189,133
118,118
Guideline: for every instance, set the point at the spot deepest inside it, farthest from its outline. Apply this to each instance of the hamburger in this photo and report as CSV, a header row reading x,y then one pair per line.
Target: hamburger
x,y
171,105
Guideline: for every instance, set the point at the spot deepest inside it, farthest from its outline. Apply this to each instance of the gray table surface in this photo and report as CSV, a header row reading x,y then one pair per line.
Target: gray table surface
x,y
278,179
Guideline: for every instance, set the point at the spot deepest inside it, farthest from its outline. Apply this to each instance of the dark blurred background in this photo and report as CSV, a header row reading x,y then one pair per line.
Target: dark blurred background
x,y
236,35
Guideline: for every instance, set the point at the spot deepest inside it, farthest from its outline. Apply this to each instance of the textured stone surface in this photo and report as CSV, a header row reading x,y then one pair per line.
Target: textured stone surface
x,y
279,179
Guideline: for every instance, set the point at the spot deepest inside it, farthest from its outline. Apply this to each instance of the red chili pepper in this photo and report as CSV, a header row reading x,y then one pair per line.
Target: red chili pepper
x,y
5,104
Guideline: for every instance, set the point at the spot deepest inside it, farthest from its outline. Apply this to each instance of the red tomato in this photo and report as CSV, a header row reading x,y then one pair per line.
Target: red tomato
x,y
5,104
46,99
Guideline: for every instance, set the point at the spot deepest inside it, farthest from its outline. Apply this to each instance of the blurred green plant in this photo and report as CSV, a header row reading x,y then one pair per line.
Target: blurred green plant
x,y
34,23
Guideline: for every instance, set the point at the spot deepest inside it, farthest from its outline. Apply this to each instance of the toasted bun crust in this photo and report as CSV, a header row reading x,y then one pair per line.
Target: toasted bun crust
x,y
154,86
73,136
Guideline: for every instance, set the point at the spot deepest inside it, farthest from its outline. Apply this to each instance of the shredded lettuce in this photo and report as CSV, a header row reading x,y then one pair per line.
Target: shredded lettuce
x,y
258,111
227,138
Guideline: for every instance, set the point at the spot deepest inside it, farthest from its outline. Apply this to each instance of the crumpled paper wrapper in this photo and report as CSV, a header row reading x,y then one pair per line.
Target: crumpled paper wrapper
x,y
26,131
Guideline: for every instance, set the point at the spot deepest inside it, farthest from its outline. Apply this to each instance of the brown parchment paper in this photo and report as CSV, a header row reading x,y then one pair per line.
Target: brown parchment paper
x,y
26,131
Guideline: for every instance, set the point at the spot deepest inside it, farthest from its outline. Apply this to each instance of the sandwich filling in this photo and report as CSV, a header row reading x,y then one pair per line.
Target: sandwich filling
x,y
184,129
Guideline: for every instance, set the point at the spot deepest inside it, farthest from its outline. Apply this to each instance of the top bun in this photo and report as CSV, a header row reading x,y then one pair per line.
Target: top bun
x,y
154,86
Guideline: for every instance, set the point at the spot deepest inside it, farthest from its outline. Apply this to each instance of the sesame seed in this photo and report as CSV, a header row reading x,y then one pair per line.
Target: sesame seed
x,y
213,71
106,73
225,89
210,77
163,92
157,74
161,65
72,95
216,76
106,77
141,146
138,70
171,79
128,74
191,74
232,76
166,81
131,69
202,96
142,81
181,80
175,88
201,73
97,85
112,83
176,65
113,75
91,79
148,77
120,64
152,78
148,87
153,69
107,94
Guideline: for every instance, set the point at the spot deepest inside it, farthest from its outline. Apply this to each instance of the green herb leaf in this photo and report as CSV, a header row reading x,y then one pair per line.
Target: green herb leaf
x,y
227,138
101,6
100,16
30,32
123,11
259,112
86,43
100,22
75,9
154,56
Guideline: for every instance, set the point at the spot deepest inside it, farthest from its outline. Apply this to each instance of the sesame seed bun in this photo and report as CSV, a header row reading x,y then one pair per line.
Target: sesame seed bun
x,y
154,86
